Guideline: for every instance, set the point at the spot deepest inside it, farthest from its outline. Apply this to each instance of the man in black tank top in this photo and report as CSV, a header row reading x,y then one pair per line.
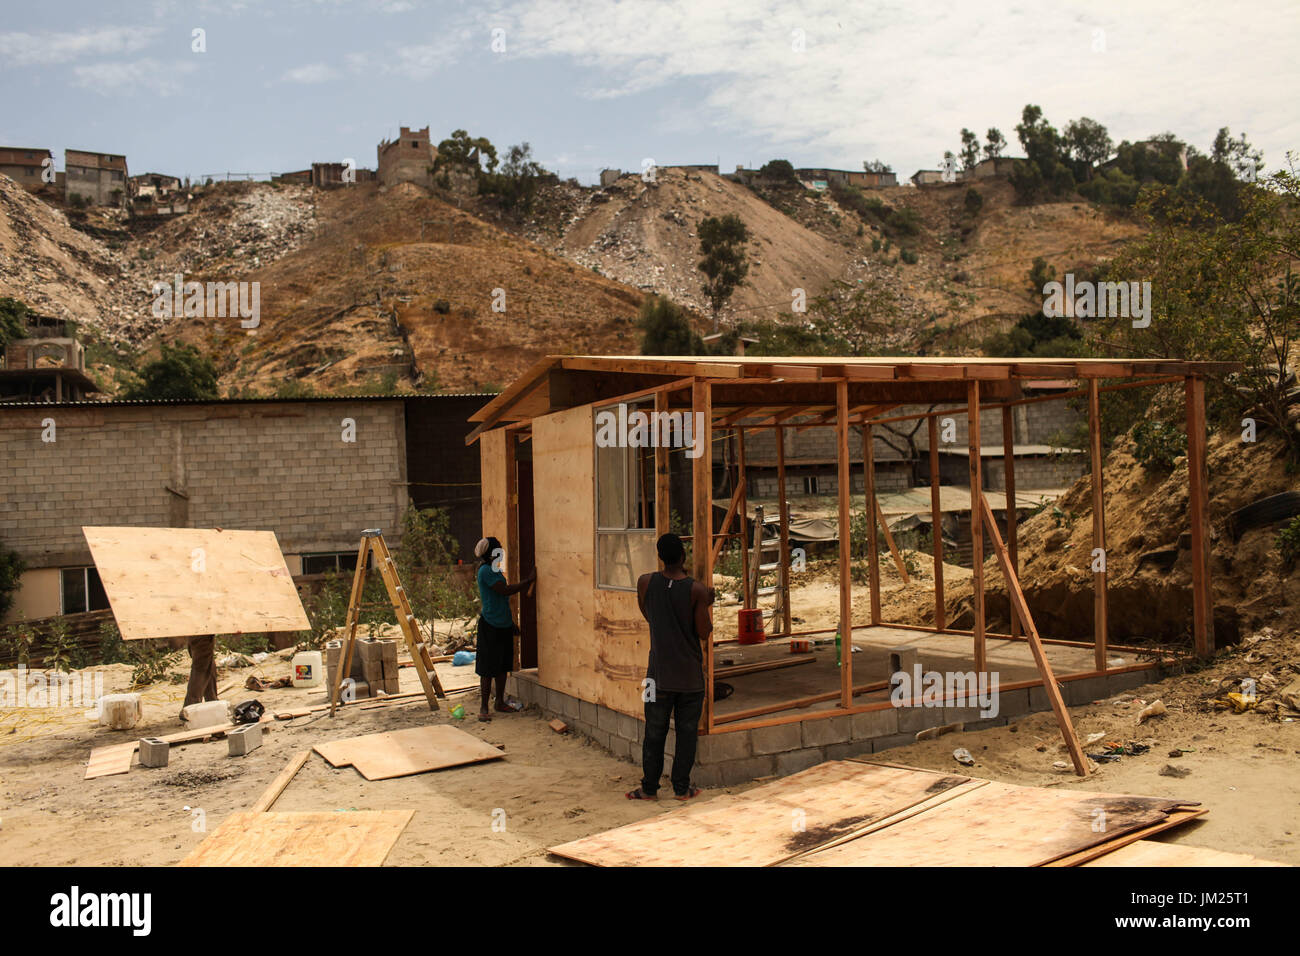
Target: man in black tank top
x,y
677,610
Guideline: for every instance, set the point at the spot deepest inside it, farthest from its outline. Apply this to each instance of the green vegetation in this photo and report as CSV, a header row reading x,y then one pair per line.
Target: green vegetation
x,y
180,373
13,320
1288,542
722,243
11,571
1157,445
778,170
666,329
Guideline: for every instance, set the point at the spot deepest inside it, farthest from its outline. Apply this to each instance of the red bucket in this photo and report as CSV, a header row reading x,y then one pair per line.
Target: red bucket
x,y
751,627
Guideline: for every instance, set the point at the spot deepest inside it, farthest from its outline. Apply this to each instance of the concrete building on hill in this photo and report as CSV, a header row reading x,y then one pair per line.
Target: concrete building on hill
x,y
99,179
48,364
27,166
407,159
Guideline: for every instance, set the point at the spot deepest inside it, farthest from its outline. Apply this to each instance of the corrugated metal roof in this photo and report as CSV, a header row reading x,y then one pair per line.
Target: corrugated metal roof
x,y
126,403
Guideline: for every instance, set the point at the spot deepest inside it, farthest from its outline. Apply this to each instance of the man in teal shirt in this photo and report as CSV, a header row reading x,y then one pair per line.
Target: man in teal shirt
x,y
495,651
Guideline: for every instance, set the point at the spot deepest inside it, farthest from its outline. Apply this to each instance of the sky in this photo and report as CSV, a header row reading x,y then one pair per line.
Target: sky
x,y
274,85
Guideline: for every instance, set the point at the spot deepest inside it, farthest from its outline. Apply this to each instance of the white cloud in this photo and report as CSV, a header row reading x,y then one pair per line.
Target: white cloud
x,y
311,73
899,80
148,76
26,49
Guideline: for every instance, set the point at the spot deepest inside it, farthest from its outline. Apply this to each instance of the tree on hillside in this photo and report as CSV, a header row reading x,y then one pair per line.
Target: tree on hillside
x,y
462,150
515,186
876,166
666,329
13,320
1219,178
722,242
970,149
778,170
11,572
1088,145
1044,169
180,373
995,143
856,318
1223,289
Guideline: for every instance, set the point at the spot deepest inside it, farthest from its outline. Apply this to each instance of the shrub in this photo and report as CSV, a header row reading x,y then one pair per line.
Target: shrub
x,y
908,256
1157,445
1288,542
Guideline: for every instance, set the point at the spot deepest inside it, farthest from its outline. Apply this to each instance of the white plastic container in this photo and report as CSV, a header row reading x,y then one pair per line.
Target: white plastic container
x,y
307,669
119,711
209,713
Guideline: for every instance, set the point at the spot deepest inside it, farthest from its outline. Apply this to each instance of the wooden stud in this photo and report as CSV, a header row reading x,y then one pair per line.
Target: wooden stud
x,y
936,522
1021,608
899,563
280,783
724,532
702,525
846,579
1099,614
976,519
1009,471
783,506
1198,498
869,516
512,533
663,477
742,488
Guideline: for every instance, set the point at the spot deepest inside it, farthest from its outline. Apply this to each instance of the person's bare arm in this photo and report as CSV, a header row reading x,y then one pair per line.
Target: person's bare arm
x,y
642,584
503,588
701,598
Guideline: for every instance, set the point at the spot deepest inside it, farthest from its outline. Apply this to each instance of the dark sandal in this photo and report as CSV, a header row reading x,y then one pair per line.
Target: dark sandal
x,y
692,792
639,794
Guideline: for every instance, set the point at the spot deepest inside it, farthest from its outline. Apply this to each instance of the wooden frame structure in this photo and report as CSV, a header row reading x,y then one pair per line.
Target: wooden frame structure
x,y
556,400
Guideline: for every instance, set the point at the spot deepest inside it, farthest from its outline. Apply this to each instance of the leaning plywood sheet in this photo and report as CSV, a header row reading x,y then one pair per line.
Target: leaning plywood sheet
x,y
357,838
767,824
1001,825
175,582
1154,853
400,753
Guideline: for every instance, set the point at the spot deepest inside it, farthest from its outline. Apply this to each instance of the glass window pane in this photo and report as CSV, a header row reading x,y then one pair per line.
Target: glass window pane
x,y
611,487
74,590
96,599
623,557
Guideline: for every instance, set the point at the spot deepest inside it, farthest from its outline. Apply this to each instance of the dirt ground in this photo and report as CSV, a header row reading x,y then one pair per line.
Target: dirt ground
x,y
554,788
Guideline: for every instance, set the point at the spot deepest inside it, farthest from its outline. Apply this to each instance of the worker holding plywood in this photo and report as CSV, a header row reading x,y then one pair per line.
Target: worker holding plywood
x,y
495,645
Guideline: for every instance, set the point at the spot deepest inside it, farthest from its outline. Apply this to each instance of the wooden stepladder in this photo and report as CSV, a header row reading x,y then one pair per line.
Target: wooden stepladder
x,y
372,542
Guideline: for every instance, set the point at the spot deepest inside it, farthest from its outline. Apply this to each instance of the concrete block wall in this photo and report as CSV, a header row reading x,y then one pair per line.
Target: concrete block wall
x,y
727,759
266,466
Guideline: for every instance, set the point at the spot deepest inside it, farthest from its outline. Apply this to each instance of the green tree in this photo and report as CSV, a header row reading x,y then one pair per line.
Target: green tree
x,y
13,320
1044,169
11,571
856,318
722,243
1220,177
994,143
1088,145
778,170
516,185
180,373
876,166
666,329
970,149
461,149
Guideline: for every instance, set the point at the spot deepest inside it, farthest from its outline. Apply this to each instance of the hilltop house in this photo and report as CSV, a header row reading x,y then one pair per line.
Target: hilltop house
x,y
27,167
98,179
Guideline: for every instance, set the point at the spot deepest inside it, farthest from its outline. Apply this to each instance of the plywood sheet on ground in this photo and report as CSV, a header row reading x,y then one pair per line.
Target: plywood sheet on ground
x,y
174,582
1001,825
1154,853
767,824
360,838
400,753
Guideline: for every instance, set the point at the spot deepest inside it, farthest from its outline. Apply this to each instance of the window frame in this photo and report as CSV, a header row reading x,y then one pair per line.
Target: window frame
x,y
635,490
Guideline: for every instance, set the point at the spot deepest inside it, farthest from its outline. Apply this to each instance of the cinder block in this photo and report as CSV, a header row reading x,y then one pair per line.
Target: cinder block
x,y
1013,703
912,719
588,713
607,720
960,715
599,737
893,740
796,760
828,730
1119,683
1084,691
719,747
902,659
705,776
875,723
743,771
621,748
776,739
244,739
154,752
1038,699
629,728
852,748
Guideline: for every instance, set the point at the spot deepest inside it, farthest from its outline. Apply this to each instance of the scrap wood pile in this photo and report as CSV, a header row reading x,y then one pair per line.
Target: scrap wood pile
x,y
855,813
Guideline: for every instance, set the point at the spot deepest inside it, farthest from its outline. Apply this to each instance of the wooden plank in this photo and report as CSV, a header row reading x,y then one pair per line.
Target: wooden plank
x,y
783,505
1000,824
278,785
879,518
110,760
869,508
1099,615
739,670
936,521
846,578
976,524
1009,472
1198,502
177,582
663,476
721,538
742,487
702,524
400,753
766,824
1021,607
1152,853
250,839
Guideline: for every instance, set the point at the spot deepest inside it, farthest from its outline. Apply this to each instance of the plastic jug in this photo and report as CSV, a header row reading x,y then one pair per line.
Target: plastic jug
x,y
119,711
307,669
210,713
